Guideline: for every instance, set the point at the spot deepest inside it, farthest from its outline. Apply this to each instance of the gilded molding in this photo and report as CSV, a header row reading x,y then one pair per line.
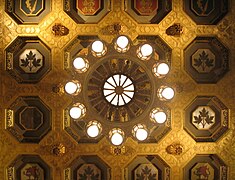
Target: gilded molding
x,y
9,118
67,174
10,173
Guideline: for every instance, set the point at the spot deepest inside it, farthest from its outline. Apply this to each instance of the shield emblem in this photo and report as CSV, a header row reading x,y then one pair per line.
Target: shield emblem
x,y
88,7
31,7
146,7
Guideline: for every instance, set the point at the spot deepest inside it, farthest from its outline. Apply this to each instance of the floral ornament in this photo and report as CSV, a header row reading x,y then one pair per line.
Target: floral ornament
x,y
146,174
31,61
204,118
204,61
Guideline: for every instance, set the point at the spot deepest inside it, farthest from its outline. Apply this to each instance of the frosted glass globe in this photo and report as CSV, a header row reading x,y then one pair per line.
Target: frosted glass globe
x,y
141,134
162,69
71,87
122,42
146,50
93,131
168,93
116,139
97,46
79,63
160,117
75,112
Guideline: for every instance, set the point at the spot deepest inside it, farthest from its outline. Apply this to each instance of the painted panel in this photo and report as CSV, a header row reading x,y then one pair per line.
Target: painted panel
x,y
88,7
206,59
28,59
28,11
206,11
87,11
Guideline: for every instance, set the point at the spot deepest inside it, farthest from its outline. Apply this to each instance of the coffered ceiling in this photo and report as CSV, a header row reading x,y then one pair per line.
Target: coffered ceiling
x,y
39,40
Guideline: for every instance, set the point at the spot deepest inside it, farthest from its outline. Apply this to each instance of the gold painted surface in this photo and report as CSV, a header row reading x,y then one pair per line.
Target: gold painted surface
x,y
187,90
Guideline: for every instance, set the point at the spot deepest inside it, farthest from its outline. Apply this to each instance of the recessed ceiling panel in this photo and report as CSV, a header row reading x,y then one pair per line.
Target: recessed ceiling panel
x,y
150,11
28,119
28,11
28,167
83,11
28,59
147,167
206,11
206,60
206,166
87,167
206,119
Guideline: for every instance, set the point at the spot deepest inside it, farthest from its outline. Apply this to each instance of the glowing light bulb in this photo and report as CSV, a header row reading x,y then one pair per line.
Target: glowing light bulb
x,y
160,117
79,63
162,69
71,87
93,130
141,134
146,50
97,46
168,93
116,139
75,112
122,41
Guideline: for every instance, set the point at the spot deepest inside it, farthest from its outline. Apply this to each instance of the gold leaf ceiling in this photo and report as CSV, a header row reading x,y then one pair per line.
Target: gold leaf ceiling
x,y
186,91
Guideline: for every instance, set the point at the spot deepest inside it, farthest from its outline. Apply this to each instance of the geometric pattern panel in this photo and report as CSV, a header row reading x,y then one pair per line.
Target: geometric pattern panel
x,y
207,167
150,11
28,11
82,11
87,167
206,11
28,167
147,167
28,119
206,119
28,59
206,59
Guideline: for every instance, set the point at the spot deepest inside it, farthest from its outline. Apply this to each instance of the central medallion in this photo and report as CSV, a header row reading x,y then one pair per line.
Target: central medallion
x,y
118,90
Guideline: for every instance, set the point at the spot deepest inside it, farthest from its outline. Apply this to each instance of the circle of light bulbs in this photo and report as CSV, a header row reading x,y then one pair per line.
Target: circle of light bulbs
x,y
123,96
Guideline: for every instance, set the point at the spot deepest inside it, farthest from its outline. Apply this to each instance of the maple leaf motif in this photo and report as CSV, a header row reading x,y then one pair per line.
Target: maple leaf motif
x,y
25,62
88,174
146,170
198,119
31,61
203,61
204,118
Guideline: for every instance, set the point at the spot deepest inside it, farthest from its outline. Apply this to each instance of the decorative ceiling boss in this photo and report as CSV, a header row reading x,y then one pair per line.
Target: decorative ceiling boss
x,y
118,90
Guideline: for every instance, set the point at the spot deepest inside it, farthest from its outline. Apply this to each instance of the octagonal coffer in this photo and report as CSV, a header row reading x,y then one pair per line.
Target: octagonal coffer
x,y
149,166
151,11
206,59
206,119
82,11
28,167
206,11
28,12
206,166
87,166
28,59
28,119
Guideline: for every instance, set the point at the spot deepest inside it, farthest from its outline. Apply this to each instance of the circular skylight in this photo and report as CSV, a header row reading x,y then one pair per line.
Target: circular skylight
x,y
118,90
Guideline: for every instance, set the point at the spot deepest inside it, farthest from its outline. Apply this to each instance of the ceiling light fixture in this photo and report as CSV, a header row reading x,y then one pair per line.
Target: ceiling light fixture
x,y
121,86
